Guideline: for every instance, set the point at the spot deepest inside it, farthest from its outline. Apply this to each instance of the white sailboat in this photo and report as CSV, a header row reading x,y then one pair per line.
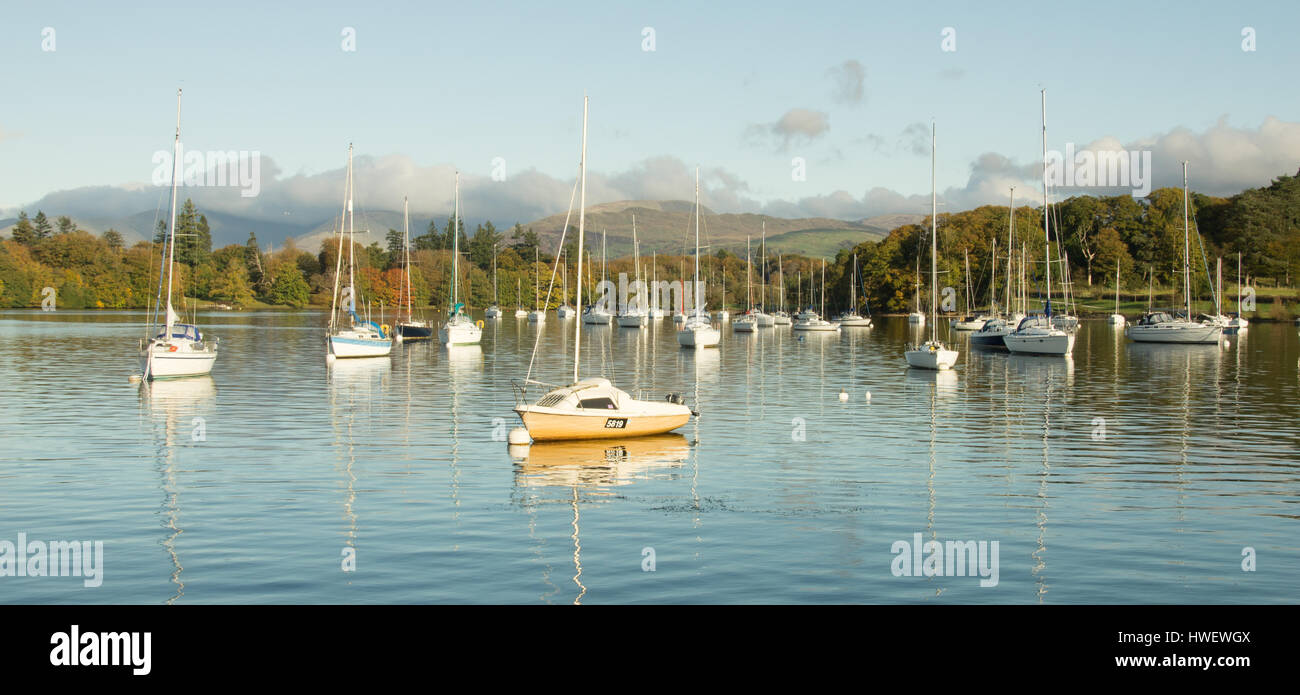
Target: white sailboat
x,y
852,318
176,349
598,314
593,408
917,317
1117,319
520,311
968,321
1037,334
459,329
932,354
765,320
656,312
494,311
635,315
1238,322
538,314
748,321
813,321
722,315
1159,326
1005,319
355,337
697,331
565,311
781,318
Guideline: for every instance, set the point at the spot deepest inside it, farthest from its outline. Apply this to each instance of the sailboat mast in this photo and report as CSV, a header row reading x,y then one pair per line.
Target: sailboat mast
x,y
853,288
749,272
338,259
762,271
582,220
1047,234
823,311
171,252
406,250
934,245
1187,249
696,287
1116,285
993,277
1011,248
1238,284
966,255
654,268
455,242
1218,296
352,287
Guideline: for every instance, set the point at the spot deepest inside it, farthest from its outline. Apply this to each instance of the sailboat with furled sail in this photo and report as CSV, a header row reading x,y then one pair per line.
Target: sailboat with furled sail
x,y
932,354
408,326
494,311
1040,335
177,349
459,329
592,408
1161,327
356,338
698,331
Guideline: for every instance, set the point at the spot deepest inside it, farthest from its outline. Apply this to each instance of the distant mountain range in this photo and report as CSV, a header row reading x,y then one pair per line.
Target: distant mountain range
x,y
662,227
669,227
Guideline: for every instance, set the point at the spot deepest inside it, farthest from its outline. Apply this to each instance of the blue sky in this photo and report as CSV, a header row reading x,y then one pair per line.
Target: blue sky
x,y
457,85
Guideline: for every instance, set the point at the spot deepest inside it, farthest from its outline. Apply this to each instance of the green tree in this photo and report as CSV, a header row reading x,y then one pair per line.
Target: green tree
x,y
481,245
289,287
253,261
42,225
395,247
231,284
65,225
23,232
114,240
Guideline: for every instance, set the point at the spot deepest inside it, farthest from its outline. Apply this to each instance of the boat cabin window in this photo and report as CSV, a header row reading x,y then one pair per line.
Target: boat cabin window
x,y
183,331
597,403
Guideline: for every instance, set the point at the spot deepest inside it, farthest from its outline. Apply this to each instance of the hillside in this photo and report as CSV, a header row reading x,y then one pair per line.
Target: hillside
x,y
662,226
668,227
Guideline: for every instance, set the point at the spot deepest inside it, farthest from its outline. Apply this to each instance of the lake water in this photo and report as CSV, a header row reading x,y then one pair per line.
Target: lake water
x,y
1130,473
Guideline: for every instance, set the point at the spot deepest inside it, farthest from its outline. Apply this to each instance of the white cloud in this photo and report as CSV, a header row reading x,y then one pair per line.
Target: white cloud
x,y
799,126
1224,160
849,78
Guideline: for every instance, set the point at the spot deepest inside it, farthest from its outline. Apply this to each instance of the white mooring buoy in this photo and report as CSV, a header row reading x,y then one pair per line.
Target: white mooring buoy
x,y
868,396
844,395
519,435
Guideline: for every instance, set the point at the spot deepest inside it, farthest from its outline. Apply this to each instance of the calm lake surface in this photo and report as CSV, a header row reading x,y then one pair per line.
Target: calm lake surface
x,y
1130,473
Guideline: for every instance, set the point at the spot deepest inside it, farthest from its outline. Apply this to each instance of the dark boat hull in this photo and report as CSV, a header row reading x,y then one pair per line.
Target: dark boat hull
x,y
990,342
414,332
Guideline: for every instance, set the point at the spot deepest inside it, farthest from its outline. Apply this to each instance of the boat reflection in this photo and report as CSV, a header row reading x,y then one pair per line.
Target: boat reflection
x,y
463,360
946,382
355,386
1040,369
597,464
585,466
178,411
